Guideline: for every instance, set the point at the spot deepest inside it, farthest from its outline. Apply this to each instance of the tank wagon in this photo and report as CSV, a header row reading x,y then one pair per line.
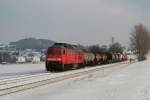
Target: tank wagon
x,y
89,58
62,56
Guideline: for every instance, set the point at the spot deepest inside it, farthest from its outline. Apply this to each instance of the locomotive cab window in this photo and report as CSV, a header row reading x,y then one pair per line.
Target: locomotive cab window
x,y
49,51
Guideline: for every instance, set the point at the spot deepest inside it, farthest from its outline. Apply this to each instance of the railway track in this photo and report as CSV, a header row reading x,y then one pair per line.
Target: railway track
x,y
25,82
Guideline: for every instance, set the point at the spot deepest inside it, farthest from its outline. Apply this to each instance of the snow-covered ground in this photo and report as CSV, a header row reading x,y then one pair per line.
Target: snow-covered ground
x,y
123,82
7,70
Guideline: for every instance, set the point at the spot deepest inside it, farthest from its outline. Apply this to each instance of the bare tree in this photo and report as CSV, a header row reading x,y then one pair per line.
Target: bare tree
x,y
140,39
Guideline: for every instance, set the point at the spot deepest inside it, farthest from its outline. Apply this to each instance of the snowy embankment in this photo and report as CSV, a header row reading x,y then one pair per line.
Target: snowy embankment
x,y
130,82
8,70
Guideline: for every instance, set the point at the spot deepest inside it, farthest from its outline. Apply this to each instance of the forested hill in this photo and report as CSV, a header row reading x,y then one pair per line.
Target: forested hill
x,y
32,43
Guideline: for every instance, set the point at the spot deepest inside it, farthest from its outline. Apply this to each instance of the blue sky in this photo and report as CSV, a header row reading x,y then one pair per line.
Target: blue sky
x,y
75,21
142,5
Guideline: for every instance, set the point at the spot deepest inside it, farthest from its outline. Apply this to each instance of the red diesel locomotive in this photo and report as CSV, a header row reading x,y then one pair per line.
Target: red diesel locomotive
x,y
61,56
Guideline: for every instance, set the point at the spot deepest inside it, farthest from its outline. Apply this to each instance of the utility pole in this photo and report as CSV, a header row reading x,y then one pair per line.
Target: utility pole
x,y
112,40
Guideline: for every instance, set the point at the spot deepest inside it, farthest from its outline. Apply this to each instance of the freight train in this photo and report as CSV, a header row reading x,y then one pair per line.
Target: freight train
x,y
63,56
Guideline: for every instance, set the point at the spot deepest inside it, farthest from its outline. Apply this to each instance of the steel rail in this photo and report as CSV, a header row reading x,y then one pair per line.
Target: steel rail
x,y
20,84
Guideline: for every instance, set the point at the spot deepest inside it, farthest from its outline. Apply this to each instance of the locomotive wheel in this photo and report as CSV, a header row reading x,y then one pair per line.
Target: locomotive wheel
x,y
81,65
75,66
62,68
48,67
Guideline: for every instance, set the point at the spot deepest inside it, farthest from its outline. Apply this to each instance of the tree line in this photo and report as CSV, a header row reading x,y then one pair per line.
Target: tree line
x,y
114,48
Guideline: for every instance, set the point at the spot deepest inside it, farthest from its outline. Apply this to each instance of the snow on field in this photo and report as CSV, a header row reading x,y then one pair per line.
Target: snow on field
x,y
124,82
7,70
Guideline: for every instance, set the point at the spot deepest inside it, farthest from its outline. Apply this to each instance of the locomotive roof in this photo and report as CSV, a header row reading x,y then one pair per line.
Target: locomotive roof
x,y
65,45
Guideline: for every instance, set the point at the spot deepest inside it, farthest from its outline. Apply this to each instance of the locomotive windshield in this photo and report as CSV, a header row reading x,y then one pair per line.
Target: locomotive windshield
x,y
57,52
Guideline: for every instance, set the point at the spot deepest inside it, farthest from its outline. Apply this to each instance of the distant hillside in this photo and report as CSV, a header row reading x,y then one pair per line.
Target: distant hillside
x,y
32,43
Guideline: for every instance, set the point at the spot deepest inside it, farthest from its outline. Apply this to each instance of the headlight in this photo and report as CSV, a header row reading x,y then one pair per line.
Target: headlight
x,y
54,59
58,59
